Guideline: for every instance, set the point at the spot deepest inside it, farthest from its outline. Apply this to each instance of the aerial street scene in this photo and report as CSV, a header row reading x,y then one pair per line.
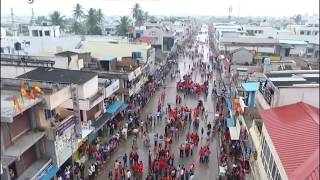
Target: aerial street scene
x,y
159,90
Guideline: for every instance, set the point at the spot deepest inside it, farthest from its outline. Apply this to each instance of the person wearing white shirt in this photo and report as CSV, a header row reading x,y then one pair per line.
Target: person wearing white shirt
x,y
128,174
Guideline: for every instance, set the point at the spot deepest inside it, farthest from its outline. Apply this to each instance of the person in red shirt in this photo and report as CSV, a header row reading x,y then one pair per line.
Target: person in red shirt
x,y
140,168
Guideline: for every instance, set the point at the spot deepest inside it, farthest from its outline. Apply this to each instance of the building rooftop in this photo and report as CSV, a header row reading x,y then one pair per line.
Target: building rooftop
x,y
56,75
299,155
100,49
293,42
292,78
66,53
8,111
249,40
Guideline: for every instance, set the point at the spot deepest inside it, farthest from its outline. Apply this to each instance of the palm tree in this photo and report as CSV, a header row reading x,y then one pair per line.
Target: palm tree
x,y
78,12
140,18
135,10
92,22
146,16
100,16
57,19
77,28
123,26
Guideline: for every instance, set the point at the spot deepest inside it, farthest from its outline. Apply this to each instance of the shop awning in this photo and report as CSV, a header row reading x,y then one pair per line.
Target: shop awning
x,y
115,107
124,106
230,123
97,124
234,133
250,86
50,173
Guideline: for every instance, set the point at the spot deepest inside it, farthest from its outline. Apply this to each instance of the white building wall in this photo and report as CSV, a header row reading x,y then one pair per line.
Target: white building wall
x,y
309,95
89,88
257,49
274,153
14,71
298,50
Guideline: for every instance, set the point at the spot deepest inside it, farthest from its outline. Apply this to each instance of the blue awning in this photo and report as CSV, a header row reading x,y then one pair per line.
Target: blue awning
x,y
124,106
230,122
229,105
115,107
51,172
250,86
106,58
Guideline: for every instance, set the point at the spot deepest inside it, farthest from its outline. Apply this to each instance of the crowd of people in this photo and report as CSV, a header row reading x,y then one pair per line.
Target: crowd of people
x,y
192,122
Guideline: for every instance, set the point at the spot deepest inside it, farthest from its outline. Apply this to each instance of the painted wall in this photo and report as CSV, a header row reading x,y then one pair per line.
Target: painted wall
x,y
58,98
242,57
274,153
14,71
89,88
309,95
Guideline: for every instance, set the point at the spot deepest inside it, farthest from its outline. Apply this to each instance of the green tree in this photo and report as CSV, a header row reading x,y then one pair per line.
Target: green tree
x,y
136,10
100,16
297,19
138,14
146,16
140,18
57,19
78,14
123,26
92,22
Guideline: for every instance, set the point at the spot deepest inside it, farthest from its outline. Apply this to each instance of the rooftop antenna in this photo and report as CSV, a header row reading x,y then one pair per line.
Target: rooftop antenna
x,y
12,19
32,21
230,11
13,28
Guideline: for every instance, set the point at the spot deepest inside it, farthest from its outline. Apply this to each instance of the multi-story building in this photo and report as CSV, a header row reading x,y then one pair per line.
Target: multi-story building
x,y
24,154
40,31
279,157
125,61
286,87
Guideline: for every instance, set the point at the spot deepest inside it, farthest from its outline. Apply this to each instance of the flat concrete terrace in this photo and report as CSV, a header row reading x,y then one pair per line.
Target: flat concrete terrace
x,y
8,111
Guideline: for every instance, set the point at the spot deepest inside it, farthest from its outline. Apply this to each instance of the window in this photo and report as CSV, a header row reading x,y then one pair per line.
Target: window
x,y
271,163
40,33
34,33
315,33
273,173
301,32
47,33
308,32
49,114
278,177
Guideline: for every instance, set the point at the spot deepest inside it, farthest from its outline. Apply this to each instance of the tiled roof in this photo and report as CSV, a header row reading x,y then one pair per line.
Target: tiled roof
x,y
294,131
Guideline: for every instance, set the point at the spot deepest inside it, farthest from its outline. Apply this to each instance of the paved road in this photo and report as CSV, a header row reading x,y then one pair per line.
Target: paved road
x,y
203,171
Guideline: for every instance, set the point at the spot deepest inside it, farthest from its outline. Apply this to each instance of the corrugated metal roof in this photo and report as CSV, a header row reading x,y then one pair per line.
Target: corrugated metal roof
x,y
294,131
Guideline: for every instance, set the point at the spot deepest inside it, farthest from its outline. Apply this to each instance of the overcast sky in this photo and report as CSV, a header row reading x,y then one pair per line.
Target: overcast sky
x,y
168,7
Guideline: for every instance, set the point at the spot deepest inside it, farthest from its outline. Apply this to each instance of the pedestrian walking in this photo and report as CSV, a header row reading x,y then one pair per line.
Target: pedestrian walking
x,y
125,159
202,131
